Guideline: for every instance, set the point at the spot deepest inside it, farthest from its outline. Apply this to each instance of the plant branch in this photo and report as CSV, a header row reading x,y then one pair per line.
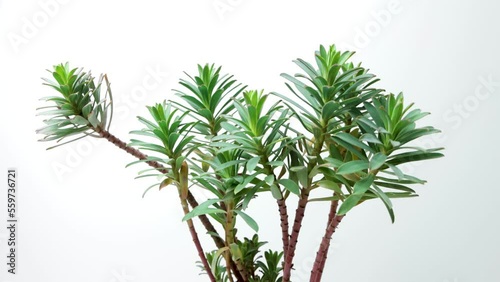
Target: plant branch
x,y
229,229
285,236
183,189
299,215
301,207
321,256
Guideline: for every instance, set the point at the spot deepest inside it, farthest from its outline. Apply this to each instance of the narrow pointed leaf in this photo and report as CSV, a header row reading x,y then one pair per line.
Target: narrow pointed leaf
x,y
249,220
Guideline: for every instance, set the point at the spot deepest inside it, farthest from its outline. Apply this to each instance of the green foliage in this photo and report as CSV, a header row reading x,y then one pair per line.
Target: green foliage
x,y
331,130
247,252
80,109
355,131
219,270
209,97
270,269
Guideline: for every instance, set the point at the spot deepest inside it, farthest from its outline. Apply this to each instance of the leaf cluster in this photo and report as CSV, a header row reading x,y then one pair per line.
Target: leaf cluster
x,y
80,109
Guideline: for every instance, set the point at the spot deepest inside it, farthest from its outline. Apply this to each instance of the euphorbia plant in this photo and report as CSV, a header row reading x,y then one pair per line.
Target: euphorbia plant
x,y
332,130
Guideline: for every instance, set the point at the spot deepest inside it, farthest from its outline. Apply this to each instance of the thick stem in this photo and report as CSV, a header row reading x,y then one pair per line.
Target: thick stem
x,y
284,225
285,236
299,215
321,256
301,207
317,262
331,218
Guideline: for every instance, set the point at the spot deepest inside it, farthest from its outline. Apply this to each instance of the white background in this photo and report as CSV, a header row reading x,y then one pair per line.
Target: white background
x,y
88,222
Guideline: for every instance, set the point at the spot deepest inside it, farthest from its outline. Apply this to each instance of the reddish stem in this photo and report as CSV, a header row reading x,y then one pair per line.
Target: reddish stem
x,y
322,254
299,215
284,225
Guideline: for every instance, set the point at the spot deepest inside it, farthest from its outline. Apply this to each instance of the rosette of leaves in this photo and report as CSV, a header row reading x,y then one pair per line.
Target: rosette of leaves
x,y
262,269
81,109
168,137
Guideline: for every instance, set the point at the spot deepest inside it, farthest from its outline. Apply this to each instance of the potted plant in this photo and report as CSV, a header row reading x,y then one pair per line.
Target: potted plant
x,y
333,130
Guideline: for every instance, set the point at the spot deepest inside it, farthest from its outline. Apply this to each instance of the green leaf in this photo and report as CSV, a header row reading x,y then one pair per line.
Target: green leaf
x,y
165,183
385,199
353,141
329,110
290,185
236,252
394,186
245,182
324,199
87,109
93,119
297,168
303,177
79,120
276,163
269,179
362,185
352,167
334,162
215,260
276,192
359,153
252,163
359,190
396,171
219,167
149,188
250,221
199,211
377,160
368,137
328,184
413,156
